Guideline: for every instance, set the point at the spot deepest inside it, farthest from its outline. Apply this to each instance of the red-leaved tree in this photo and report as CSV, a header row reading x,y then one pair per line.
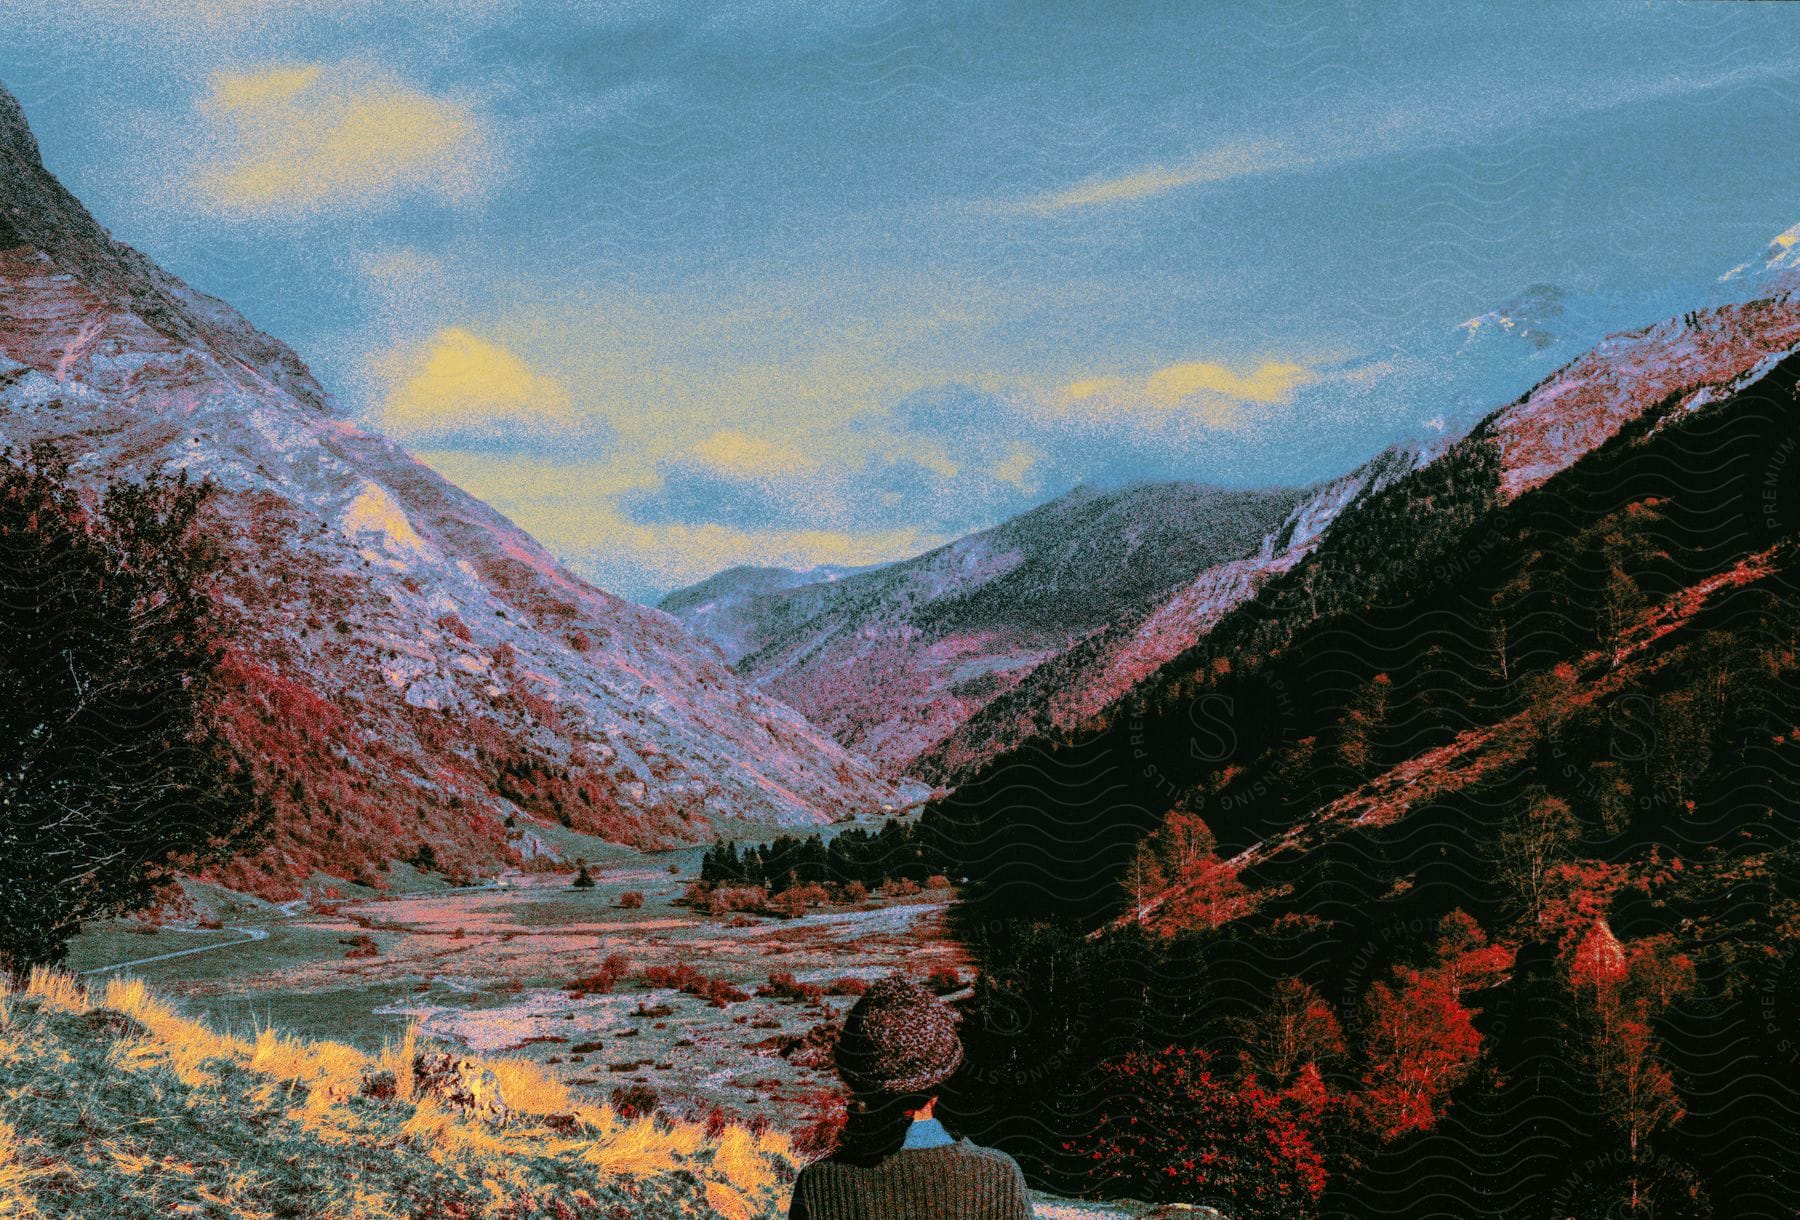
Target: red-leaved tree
x,y
1421,1043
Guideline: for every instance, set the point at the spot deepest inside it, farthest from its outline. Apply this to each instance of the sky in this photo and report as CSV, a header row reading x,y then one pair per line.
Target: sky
x,y
679,286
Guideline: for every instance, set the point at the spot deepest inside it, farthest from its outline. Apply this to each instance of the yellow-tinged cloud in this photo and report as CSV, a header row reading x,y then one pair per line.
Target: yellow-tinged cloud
x,y
1207,392
271,87
740,455
1091,387
1272,381
1235,160
1014,467
573,508
307,137
458,382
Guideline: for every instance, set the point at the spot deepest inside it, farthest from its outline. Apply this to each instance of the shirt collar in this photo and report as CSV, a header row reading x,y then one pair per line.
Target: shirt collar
x,y
926,1133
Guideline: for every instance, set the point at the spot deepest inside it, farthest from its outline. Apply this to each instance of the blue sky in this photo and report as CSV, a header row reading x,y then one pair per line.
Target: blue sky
x,y
678,286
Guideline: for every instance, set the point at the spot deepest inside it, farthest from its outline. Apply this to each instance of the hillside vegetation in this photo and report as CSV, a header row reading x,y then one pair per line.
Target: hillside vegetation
x,y
1456,873
113,1105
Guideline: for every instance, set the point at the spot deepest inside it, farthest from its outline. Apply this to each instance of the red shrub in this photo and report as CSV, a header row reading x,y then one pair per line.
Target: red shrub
x,y
613,967
631,900
793,901
633,1101
727,899
361,945
848,985
784,985
684,978
1173,1130
944,980
818,1136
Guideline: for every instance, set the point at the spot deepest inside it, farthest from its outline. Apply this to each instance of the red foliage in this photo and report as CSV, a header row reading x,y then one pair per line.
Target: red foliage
x,y
613,967
1466,961
1421,1043
1172,1129
684,978
1599,959
1297,1032
784,985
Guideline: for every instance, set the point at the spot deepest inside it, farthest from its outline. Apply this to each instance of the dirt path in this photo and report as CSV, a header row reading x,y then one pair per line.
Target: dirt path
x,y
251,935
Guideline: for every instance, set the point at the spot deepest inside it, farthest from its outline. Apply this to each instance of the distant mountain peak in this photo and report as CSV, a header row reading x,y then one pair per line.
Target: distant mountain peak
x,y
1781,255
1530,316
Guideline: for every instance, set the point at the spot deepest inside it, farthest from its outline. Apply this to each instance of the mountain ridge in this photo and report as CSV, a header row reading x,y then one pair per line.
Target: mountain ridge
x,y
892,660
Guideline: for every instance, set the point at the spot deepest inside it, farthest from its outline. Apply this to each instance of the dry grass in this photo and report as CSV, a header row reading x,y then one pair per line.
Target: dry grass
x,y
302,1103
397,1060
55,990
16,1176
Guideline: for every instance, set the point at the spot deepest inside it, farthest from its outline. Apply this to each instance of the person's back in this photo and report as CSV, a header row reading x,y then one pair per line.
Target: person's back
x,y
895,1160
954,1181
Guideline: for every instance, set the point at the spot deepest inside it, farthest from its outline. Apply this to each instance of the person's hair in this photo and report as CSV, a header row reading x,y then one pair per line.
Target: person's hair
x,y
876,1125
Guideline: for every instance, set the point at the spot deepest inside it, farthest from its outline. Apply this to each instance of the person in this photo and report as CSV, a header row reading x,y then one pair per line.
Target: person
x,y
895,1160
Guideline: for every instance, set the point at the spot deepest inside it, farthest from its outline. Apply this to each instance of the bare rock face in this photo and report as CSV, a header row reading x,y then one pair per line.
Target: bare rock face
x,y
410,667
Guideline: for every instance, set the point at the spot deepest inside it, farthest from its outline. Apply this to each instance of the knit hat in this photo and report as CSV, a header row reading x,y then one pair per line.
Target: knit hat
x,y
898,1039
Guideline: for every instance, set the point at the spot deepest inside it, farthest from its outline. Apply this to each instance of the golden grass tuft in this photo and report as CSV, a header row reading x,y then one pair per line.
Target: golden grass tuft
x,y
727,1202
443,1134
328,1069
185,1045
56,991
646,1147
397,1059
739,1160
529,1089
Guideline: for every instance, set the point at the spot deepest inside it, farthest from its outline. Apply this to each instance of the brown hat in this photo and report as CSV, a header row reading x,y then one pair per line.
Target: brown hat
x,y
898,1039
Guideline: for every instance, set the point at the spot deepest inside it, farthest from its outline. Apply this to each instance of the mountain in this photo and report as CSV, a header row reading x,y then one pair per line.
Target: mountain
x,y
891,661
1606,380
411,669
1535,316
1102,666
742,609
1488,790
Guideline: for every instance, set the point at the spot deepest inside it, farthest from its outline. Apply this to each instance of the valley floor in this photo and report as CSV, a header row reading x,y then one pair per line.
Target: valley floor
x,y
485,969
489,969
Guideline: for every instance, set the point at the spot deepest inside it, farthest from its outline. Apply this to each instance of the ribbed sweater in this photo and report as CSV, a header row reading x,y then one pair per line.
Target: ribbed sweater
x,y
959,1181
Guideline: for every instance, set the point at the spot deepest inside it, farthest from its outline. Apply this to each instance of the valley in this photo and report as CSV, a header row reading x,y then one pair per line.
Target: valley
x,y
489,969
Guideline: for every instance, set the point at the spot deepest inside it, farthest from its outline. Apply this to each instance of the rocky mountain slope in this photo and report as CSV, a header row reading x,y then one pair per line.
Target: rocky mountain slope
x,y
892,661
412,669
